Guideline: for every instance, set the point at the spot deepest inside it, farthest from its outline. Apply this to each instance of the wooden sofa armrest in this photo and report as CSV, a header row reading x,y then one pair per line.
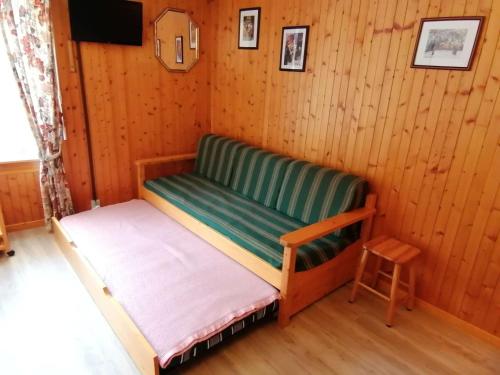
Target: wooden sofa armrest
x,y
291,242
164,159
143,163
322,228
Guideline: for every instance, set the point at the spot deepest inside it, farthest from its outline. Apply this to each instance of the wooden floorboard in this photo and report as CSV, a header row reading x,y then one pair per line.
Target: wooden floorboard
x,y
49,325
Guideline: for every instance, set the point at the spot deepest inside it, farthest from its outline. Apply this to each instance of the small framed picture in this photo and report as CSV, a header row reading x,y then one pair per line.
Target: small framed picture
x,y
193,35
249,28
447,43
294,48
179,50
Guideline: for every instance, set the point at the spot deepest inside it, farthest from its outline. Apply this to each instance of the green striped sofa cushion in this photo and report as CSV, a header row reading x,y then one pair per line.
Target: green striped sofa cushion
x,y
250,224
258,174
311,193
216,157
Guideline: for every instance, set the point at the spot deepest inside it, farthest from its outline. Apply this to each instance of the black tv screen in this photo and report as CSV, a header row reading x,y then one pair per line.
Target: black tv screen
x,y
106,21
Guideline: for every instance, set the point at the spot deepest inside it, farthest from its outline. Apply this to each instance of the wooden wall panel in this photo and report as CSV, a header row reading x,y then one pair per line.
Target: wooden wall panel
x,y
427,140
135,107
20,196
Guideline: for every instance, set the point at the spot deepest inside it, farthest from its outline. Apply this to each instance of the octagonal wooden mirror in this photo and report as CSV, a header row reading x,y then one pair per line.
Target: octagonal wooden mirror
x,y
177,40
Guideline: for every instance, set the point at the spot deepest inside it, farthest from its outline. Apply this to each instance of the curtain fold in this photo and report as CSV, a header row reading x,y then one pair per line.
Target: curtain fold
x,y
26,29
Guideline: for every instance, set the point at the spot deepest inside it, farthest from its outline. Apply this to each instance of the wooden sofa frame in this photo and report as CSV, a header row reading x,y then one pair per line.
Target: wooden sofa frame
x,y
297,289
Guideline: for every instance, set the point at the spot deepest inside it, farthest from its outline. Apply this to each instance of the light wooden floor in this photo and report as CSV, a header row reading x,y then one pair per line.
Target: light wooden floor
x,y
49,325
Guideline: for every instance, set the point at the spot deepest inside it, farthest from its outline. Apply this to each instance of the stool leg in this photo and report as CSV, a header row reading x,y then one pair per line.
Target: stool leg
x,y
376,271
394,295
411,288
359,275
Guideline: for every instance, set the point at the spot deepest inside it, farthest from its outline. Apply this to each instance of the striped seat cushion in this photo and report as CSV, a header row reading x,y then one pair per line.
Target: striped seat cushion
x,y
258,175
250,224
311,193
216,157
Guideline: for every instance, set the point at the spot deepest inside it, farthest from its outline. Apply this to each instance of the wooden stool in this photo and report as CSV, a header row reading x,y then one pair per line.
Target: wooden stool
x,y
397,252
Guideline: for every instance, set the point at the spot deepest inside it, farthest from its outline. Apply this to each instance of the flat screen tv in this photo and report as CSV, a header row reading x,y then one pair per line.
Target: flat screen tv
x,y
106,21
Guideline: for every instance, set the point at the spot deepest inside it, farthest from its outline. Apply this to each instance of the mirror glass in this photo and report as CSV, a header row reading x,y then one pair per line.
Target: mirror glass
x,y
177,40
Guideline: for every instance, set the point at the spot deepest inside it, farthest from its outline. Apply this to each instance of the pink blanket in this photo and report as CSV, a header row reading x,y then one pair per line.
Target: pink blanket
x,y
178,289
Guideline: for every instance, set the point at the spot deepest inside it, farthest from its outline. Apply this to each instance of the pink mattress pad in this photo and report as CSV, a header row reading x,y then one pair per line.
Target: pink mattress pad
x,y
177,288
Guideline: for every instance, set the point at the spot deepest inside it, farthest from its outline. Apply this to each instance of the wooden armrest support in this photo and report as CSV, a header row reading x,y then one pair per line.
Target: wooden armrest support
x,y
317,230
165,159
143,163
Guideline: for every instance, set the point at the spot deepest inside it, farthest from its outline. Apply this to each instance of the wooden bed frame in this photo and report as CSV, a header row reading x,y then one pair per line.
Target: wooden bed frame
x,y
297,289
132,339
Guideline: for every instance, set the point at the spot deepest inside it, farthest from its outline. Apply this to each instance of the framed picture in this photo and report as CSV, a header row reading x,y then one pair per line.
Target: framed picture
x,y
294,48
248,35
447,43
179,50
193,35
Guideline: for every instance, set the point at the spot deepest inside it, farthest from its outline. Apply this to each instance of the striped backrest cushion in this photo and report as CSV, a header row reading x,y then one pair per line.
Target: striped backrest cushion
x,y
311,193
216,158
258,175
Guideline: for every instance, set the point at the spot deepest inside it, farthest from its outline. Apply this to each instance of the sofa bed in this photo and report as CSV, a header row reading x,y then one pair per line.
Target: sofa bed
x,y
168,295
295,224
294,227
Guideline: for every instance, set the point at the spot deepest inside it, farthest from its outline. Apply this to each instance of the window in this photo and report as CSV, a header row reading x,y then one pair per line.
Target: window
x,y
16,139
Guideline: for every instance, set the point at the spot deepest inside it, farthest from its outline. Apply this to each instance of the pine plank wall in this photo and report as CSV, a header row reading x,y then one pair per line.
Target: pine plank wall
x,y
136,108
427,140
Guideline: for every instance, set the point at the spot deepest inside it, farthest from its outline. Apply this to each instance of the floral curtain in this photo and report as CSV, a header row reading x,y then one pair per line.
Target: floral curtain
x,y
26,28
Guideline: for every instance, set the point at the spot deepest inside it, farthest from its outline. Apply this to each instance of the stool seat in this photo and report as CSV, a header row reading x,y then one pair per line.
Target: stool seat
x,y
392,249
398,253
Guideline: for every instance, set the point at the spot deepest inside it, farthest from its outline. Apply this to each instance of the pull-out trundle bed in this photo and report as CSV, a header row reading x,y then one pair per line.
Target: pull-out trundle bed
x,y
167,294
